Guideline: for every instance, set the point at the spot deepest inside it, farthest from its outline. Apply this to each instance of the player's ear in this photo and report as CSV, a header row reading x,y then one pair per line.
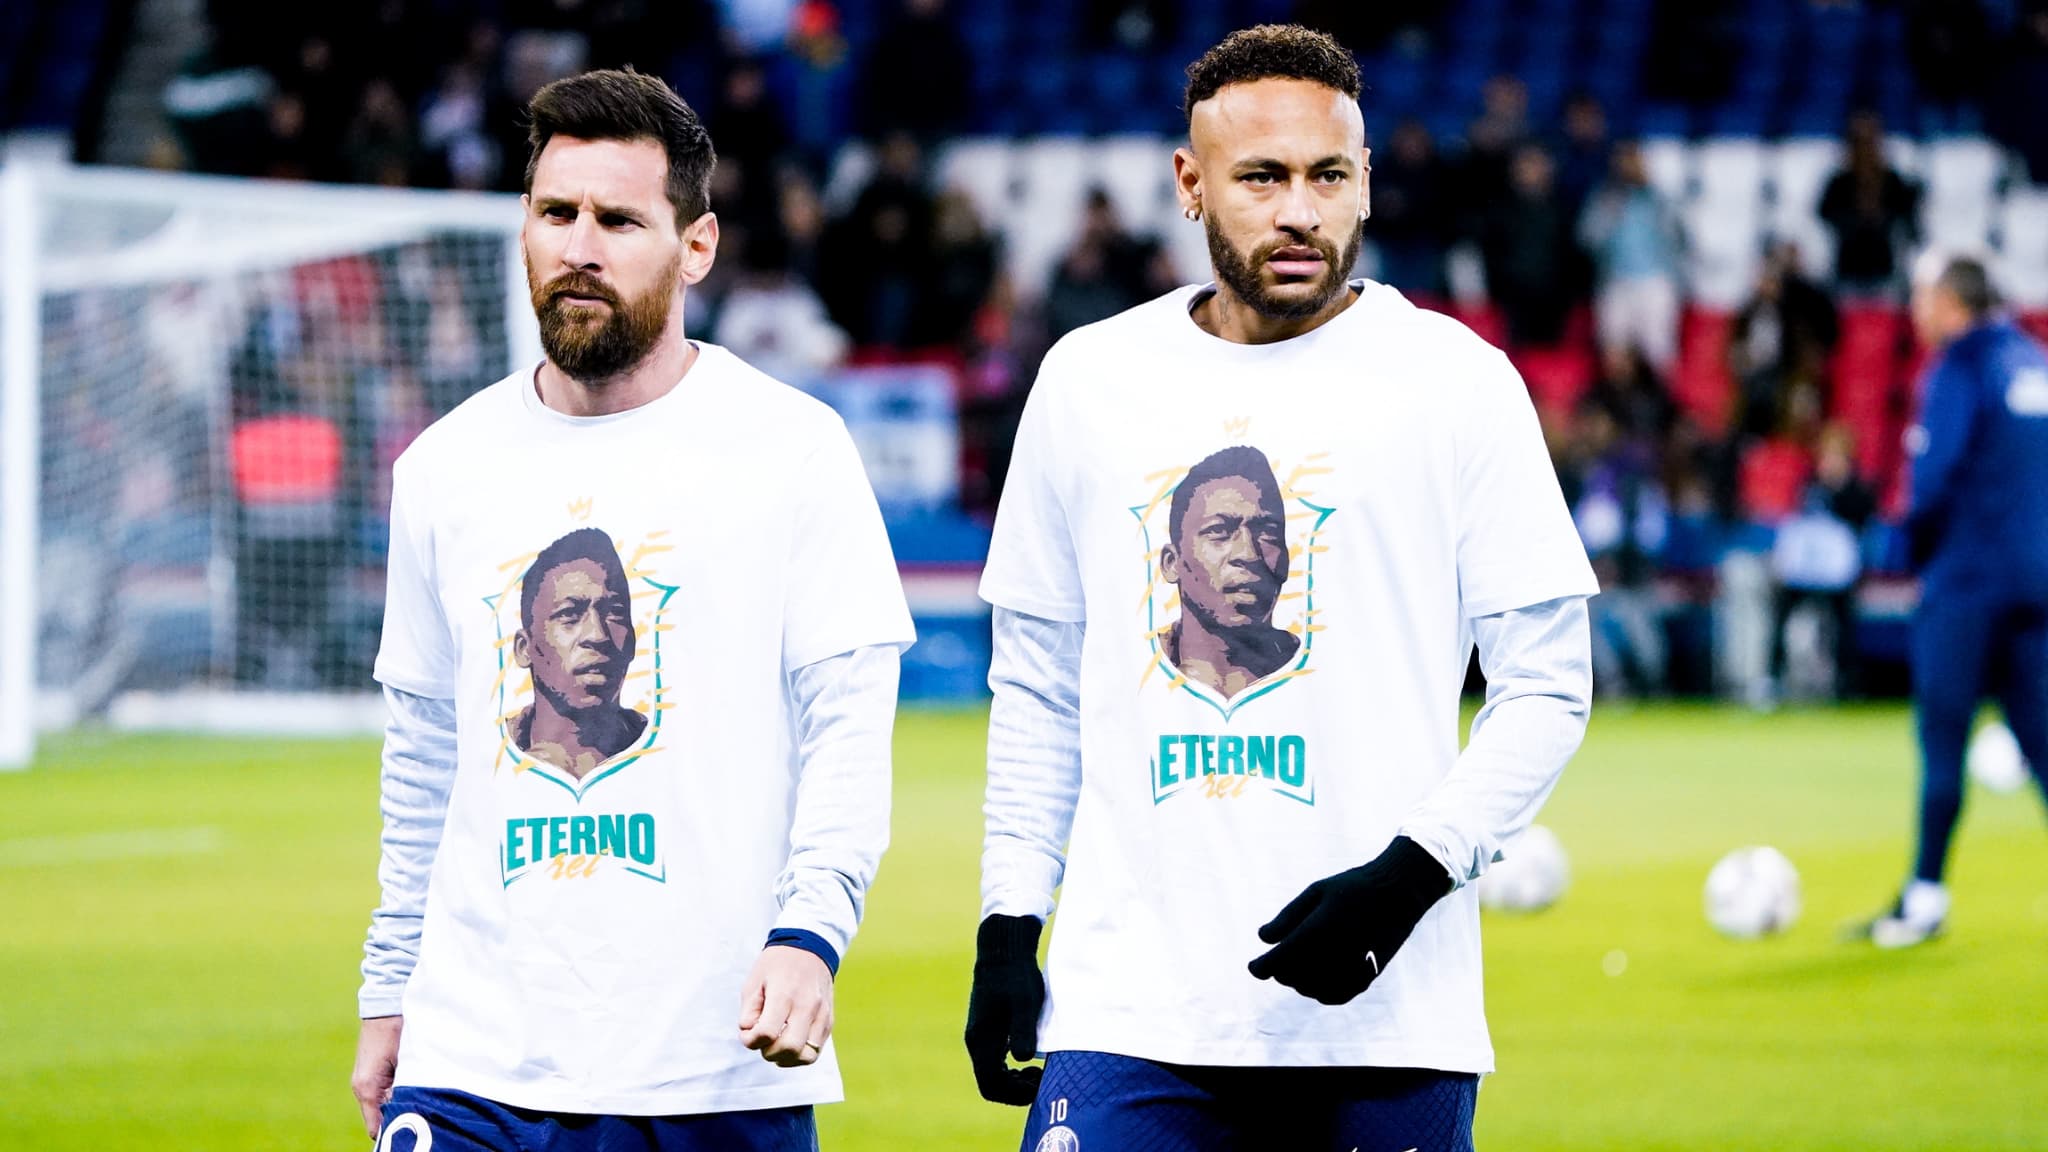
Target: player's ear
x,y
1187,182
1169,563
700,247
522,654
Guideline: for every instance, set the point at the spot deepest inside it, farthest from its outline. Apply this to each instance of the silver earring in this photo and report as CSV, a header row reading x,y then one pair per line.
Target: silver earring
x,y
1193,214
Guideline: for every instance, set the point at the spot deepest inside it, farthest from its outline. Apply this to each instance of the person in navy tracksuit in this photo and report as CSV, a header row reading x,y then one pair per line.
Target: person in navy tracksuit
x,y
1978,530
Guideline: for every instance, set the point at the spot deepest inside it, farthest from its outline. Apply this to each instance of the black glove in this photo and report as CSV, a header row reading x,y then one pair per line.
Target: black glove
x,y
1332,941
1002,1010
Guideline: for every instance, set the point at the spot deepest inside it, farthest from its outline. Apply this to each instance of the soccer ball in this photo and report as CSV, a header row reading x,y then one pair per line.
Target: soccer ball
x,y
1752,892
1530,875
1994,759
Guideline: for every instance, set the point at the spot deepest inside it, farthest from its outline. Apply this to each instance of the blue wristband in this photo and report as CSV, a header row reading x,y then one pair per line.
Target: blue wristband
x,y
810,942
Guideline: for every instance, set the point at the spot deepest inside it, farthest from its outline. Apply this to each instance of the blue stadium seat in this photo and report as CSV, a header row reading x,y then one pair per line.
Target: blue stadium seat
x,y
1661,119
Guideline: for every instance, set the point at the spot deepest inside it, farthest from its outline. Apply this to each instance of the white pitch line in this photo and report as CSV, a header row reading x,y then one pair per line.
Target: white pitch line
x,y
94,847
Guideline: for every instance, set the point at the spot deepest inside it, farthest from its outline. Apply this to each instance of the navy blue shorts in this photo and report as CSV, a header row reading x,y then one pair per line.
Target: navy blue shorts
x,y
1099,1102
438,1120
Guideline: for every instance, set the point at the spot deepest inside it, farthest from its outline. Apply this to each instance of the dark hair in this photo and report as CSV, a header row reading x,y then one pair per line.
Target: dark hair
x,y
1272,51
1240,461
583,544
626,105
1971,284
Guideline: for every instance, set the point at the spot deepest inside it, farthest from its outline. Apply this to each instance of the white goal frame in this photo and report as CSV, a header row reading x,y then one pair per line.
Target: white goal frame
x,y
199,238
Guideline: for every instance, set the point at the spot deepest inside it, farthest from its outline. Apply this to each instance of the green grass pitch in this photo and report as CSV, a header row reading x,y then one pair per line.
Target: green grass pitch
x,y
180,921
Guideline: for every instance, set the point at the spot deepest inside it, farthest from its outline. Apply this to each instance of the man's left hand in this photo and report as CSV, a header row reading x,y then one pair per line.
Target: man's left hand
x,y
786,1008
1331,942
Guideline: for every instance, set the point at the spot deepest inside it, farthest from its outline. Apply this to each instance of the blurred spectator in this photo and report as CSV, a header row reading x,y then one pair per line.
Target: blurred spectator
x,y
1635,241
1872,210
1629,391
1611,481
1367,28
1106,271
963,272
1410,223
1082,292
1582,151
1692,50
752,137
1782,338
1948,42
1528,248
378,148
1132,258
819,88
915,79
457,151
801,217
2012,114
773,320
217,109
1130,25
757,26
876,259
1817,559
532,58
1491,144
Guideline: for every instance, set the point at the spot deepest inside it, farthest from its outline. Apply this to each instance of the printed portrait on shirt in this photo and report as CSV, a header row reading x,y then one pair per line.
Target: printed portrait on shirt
x,y
1226,554
579,628
1230,547
576,638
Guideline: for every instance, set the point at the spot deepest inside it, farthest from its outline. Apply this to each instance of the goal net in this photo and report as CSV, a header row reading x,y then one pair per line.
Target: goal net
x,y
205,383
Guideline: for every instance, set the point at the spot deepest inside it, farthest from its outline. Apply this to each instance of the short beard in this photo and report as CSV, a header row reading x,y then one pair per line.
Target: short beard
x,y
1240,274
593,352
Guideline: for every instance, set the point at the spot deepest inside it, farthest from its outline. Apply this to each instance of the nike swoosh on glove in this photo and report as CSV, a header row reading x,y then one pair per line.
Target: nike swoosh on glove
x,y
1003,1007
1331,942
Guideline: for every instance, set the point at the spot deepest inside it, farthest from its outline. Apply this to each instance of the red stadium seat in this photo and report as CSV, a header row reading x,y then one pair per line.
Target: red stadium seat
x,y
1484,319
1770,478
1557,376
1869,378
1702,384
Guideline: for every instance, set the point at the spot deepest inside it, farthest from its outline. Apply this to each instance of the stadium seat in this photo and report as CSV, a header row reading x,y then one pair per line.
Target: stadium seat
x,y
1770,479
2023,251
1724,222
1669,162
1798,171
1702,384
1483,319
1866,375
983,168
1053,176
1137,172
1962,180
1558,376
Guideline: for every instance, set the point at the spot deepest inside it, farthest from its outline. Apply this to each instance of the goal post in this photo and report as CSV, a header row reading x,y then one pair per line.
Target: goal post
x,y
203,381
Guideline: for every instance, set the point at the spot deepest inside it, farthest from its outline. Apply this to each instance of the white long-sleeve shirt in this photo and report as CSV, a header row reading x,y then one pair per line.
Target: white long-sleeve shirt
x,y
845,708
643,671
1256,574
1538,694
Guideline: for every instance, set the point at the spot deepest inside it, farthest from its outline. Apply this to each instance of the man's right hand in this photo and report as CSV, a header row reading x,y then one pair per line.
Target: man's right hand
x,y
1002,1009
376,1066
